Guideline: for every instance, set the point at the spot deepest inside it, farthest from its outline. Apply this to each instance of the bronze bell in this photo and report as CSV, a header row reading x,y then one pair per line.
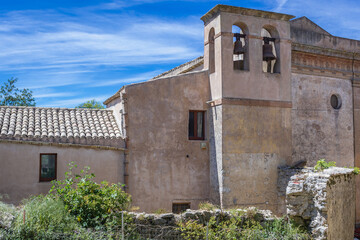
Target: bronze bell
x,y
268,52
238,47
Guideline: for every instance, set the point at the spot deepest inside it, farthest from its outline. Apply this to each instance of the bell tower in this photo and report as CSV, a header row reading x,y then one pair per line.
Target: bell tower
x,y
248,55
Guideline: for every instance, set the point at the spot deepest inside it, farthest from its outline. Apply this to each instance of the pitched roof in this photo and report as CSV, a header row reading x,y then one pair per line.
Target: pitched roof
x,y
306,24
183,68
60,125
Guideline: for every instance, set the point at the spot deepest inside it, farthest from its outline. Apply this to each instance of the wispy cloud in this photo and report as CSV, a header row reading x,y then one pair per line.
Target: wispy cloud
x,y
75,101
280,4
132,79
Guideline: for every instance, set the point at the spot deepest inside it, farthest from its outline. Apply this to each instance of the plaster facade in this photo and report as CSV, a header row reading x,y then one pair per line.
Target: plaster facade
x,y
19,172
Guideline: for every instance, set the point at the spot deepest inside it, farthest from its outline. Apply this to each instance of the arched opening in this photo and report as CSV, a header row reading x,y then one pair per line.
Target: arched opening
x,y
271,50
240,51
212,50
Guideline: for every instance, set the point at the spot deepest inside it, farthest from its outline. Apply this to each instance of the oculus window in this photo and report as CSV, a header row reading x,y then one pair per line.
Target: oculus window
x,y
47,167
196,125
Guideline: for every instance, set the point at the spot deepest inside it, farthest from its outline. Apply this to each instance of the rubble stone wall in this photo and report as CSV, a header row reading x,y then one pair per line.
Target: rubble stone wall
x,y
324,202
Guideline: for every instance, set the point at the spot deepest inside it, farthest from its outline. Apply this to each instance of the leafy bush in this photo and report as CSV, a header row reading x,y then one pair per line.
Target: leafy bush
x,y
241,228
44,216
93,204
322,164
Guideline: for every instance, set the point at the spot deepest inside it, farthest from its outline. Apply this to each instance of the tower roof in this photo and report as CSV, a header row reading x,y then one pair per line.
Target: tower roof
x,y
244,11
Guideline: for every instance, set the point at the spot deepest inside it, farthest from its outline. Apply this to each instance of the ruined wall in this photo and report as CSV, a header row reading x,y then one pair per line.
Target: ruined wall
x,y
319,131
324,202
164,165
20,163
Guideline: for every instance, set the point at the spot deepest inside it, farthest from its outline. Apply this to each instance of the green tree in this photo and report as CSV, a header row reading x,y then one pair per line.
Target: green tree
x,y
10,95
91,104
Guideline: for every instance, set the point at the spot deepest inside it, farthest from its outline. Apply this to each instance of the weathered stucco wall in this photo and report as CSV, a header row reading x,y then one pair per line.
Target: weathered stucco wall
x,y
356,92
319,131
164,165
215,141
252,151
20,163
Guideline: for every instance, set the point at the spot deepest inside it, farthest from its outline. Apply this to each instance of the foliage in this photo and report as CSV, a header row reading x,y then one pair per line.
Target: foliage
x,y
93,204
207,206
160,211
322,164
44,216
12,96
356,170
91,104
241,228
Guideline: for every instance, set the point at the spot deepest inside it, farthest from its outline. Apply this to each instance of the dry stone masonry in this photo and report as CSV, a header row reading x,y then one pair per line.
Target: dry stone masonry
x,y
324,202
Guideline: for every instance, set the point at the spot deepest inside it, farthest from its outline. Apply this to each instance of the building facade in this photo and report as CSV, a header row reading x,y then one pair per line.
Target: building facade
x,y
216,128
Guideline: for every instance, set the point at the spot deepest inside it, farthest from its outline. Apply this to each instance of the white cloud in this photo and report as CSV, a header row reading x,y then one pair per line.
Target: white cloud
x,y
73,102
134,79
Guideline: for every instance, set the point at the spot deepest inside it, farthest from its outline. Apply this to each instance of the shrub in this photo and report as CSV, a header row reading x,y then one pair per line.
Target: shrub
x,y
160,211
44,217
241,227
93,204
207,206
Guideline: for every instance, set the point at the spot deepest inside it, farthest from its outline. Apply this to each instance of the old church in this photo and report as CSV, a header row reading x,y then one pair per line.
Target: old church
x,y
271,90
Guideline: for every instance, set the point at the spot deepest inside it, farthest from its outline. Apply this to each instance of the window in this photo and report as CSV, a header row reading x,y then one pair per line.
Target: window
x,y
196,125
47,167
180,207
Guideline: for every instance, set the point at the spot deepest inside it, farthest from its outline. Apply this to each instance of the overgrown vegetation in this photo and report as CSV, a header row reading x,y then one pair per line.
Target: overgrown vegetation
x,y
239,227
322,164
207,206
79,208
91,203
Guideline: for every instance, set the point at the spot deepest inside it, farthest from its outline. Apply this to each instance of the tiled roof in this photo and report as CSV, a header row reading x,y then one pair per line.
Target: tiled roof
x,y
60,125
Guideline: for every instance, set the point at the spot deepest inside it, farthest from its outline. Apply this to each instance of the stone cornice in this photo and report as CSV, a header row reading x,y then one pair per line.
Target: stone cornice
x,y
324,51
244,11
325,65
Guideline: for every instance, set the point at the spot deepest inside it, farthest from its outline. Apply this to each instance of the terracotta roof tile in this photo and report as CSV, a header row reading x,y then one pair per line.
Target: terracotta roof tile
x,y
60,125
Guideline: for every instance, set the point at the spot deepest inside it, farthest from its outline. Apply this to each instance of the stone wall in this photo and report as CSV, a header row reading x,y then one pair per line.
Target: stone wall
x,y
324,202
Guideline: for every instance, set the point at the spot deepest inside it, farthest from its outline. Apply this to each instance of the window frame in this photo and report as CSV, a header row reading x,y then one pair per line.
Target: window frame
x,y
42,179
195,137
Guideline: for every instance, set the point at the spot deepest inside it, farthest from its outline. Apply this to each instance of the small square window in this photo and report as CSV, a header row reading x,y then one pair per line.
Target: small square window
x,y
48,167
196,125
180,207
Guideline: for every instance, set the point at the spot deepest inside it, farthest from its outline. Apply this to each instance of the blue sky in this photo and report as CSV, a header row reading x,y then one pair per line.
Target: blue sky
x,y
69,51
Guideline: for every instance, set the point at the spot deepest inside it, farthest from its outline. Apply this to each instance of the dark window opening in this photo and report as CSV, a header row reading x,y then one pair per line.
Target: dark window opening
x,y
48,167
212,51
180,207
335,101
196,125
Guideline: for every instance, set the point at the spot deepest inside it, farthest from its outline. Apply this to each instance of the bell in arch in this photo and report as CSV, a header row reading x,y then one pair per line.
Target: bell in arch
x,y
238,47
268,52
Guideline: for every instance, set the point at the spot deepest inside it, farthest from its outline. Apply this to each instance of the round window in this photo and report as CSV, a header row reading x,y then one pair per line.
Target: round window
x,y
335,101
